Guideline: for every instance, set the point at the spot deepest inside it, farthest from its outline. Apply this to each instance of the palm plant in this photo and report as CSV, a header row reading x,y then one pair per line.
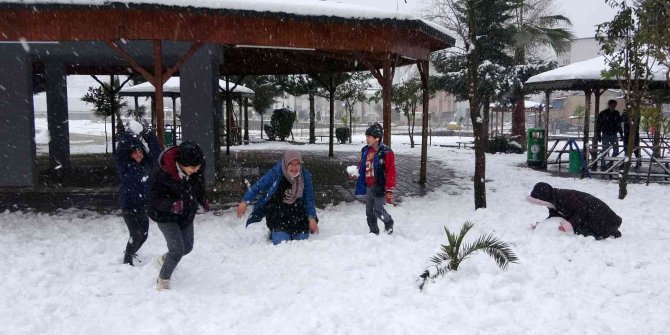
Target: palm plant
x,y
453,254
535,26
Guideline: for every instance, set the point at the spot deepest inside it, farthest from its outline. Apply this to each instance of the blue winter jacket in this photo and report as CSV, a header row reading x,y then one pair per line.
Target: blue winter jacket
x,y
269,184
383,164
134,177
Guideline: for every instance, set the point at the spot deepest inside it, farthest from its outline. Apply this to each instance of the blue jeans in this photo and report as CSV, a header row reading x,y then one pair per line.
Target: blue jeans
x,y
282,236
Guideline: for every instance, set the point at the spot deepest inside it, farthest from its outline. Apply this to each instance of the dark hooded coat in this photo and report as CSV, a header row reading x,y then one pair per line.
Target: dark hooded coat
x,y
588,215
133,176
168,187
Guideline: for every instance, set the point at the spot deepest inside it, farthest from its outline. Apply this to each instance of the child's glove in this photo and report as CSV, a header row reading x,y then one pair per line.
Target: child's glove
x,y
389,197
178,207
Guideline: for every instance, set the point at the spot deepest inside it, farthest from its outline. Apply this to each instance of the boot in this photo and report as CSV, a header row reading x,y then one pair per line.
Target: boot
x,y
374,229
128,259
388,227
162,284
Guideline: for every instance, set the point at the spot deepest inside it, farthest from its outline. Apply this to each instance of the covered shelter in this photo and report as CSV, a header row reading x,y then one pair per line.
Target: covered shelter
x,y
172,90
161,38
586,76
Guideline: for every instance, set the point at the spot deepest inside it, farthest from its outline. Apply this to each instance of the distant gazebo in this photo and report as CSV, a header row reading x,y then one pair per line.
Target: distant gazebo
x,y
586,76
172,90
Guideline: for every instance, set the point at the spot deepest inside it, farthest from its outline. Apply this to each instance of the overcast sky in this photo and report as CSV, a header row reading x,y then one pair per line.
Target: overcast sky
x,y
584,14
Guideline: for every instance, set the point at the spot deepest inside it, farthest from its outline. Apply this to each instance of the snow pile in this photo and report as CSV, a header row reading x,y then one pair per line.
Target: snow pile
x,y
62,273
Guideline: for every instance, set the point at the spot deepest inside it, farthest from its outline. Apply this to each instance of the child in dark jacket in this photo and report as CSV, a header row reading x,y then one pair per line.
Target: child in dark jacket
x,y
584,214
288,202
176,190
376,179
134,165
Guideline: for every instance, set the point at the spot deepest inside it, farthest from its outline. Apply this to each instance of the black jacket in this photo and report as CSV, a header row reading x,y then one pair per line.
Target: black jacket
x,y
609,122
588,215
134,178
168,187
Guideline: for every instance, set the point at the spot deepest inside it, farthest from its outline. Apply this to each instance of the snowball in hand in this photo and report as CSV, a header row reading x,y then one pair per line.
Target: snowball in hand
x,y
135,127
352,170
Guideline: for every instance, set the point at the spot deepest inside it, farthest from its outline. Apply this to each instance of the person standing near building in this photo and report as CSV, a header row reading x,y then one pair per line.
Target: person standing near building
x,y
376,179
608,126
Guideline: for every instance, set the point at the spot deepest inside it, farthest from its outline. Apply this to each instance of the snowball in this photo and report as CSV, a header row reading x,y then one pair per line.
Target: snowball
x,y
135,127
352,170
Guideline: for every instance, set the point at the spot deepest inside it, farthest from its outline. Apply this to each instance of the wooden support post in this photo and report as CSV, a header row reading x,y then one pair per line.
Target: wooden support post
x,y
158,85
596,132
587,108
229,116
423,67
547,95
158,78
385,79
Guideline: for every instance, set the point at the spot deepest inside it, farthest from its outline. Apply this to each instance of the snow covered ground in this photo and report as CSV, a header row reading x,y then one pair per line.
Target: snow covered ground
x,y
62,273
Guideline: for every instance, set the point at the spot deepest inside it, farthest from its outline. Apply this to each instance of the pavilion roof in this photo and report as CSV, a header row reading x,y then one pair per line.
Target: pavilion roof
x,y
172,88
587,74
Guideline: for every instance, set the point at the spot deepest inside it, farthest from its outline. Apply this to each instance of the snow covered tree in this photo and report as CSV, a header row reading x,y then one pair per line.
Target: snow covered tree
x,y
622,42
329,83
453,254
298,85
353,91
477,70
265,92
406,97
107,103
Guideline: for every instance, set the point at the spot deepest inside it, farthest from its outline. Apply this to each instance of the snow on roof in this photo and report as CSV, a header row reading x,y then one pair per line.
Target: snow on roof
x,y
590,69
172,86
295,7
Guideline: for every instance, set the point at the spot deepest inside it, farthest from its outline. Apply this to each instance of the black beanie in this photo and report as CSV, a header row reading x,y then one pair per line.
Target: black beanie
x,y
543,191
375,130
190,154
134,145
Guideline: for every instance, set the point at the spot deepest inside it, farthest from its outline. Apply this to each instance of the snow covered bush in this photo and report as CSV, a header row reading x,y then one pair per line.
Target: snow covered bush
x,y
282,122
342,134
453,254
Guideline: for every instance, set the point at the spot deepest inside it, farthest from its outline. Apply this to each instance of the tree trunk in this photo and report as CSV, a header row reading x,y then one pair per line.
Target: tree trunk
x,y
332,117
519,111
312,117
351,117
475,116
634,115
658,124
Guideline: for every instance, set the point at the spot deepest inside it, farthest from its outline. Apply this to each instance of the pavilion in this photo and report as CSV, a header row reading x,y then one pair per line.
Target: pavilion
x,y
200,43
586,76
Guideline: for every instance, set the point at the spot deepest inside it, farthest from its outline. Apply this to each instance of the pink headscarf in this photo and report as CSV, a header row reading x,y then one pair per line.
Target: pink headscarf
x,y
297,183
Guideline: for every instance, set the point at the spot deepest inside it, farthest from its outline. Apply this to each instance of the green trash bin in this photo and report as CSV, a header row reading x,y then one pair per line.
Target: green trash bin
x,y
536,150
168,136
575,165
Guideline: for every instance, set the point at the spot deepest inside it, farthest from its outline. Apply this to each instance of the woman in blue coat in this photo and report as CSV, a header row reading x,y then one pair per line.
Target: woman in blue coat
x,y
287,203
134,165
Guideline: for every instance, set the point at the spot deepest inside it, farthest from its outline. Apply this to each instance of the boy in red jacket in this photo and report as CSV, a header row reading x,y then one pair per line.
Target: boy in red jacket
x,y
376,179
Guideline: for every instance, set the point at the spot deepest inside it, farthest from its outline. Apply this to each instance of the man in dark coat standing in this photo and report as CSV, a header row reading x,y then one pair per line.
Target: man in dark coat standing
x,y
584,214
608,125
